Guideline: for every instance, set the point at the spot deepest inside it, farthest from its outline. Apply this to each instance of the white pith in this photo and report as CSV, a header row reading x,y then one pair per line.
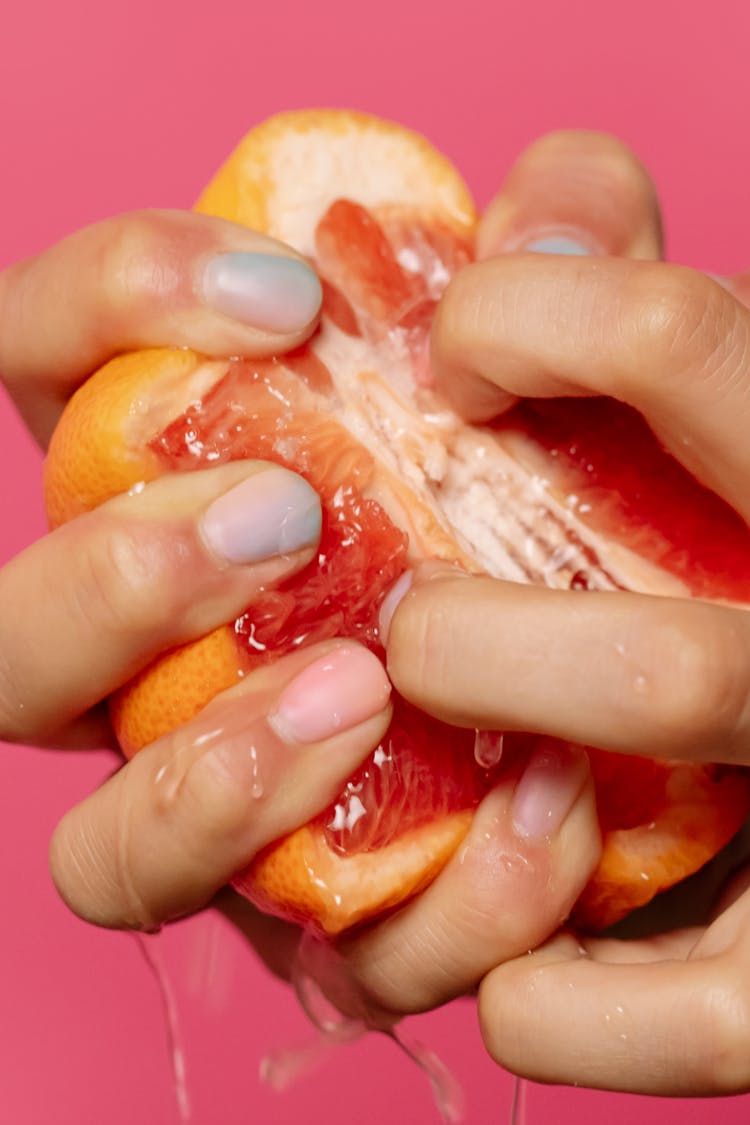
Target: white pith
x,y
309,170
485,489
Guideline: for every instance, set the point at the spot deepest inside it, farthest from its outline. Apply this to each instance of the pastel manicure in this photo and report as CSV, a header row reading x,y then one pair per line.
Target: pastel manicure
x,y
267,291
339,691
557,244
273,512
548,789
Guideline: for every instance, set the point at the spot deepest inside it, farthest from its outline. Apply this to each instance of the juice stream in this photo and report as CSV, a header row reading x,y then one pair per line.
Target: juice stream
x,y
150,949
317,961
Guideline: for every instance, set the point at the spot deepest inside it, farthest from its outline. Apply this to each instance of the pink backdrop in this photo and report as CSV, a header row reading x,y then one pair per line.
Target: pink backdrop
x,y
110,107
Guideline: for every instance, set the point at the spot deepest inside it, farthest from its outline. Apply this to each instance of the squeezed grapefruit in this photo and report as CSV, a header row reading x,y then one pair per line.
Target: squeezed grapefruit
x,y
574,495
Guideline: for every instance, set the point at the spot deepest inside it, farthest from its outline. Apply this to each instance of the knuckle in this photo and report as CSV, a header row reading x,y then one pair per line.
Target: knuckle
x,y
680,322
196,792
123,584
700,670
724,1016
140,259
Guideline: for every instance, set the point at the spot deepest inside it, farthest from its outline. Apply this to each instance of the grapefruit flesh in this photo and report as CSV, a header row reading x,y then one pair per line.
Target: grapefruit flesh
x,y
571,494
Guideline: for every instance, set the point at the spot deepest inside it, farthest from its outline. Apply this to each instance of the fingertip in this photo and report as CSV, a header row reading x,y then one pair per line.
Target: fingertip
x,y
582,186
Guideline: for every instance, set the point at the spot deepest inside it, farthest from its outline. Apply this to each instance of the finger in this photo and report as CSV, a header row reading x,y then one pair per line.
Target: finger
x,y
162,836
670,1027
532,846
149,278
666,340
660,676
575,192
89,605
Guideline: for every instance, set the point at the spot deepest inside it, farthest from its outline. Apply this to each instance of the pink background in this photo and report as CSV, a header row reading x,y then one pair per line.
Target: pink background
x,y
106,108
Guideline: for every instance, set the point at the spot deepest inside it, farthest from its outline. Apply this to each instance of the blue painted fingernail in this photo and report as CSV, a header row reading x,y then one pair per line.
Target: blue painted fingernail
x,y
274,512
557,244
267,291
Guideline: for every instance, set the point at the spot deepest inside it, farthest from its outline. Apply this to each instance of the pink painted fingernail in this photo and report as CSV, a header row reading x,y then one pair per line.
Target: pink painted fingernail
x,y
339,691
548,788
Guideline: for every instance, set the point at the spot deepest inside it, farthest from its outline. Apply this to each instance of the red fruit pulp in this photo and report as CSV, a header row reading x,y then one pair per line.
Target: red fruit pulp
x,y
423,768
382,276
625,485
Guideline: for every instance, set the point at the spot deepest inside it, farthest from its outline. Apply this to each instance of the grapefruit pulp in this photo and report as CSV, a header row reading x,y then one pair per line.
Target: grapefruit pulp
x,y
575,495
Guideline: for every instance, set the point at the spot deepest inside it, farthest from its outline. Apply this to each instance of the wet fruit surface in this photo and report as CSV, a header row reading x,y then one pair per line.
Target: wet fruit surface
x,y
623,483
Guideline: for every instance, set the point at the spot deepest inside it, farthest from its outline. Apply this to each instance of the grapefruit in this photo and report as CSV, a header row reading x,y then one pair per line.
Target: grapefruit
x,y
575,495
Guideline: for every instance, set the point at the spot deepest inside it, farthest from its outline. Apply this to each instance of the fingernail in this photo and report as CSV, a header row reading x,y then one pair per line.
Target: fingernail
x,y
390,604
557,244
548,789
724,282
339,691
267,291
274,512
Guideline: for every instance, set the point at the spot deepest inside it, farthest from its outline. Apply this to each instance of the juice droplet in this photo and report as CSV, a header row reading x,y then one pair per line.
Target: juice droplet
x,y
488,748
256,789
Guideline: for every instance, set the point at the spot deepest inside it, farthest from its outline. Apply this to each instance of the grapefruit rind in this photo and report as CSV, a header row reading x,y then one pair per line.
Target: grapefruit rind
x,y
100,446
301,878
174,688
703,808
286,173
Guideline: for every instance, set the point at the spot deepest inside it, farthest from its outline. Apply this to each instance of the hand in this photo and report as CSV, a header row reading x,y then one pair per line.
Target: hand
x,y
668,1014
86,607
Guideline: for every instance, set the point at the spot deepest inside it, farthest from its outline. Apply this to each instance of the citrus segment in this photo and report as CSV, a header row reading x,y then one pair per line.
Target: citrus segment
x,y
618,478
